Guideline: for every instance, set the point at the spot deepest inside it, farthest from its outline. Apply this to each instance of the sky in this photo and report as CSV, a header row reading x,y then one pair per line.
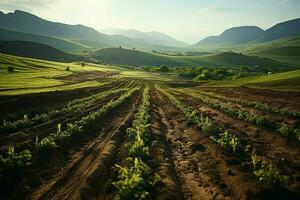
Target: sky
x,y
186,20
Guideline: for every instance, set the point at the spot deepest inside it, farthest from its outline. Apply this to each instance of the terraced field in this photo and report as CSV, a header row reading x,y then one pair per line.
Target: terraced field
x,y
141,139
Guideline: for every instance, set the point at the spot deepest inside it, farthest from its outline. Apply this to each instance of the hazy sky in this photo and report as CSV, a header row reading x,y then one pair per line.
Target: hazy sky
x,y
187,20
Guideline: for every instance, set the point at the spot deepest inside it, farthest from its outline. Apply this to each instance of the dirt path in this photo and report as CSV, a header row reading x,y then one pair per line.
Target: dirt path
x,y
93,160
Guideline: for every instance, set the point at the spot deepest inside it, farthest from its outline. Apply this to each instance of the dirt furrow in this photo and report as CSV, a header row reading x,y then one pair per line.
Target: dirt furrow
x,y
76,179
26,137
284,153
198,163
162,154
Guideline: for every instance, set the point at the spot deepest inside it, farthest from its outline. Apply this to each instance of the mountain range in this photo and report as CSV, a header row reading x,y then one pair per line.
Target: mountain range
x,y
246,35
84,36
21,25
153,37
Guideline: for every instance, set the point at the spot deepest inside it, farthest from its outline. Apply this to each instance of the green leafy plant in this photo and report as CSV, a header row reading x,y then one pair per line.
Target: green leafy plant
x,y
267,173
134,179
14,161
229,141
46,144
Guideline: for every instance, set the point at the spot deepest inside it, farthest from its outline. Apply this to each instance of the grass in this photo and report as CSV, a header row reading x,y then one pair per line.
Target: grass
x,y
284,50
285,81
32,75
59,43
120,56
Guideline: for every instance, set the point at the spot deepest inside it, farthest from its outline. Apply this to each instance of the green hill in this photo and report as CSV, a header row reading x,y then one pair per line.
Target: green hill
x,y
35,50
232,37
285,29
237,37
289,81
28,23
285,50
61,44
120,56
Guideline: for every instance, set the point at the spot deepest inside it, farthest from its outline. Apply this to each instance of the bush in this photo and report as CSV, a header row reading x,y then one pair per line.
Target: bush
x,y
68,69
164,68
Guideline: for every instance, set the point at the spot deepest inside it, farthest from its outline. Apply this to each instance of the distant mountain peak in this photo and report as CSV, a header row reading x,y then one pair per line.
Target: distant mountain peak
x,y
151,37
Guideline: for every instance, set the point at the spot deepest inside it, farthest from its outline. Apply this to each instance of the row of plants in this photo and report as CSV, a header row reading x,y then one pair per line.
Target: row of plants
x,y
268,174
240,113
229,141
12,164
72,107
254,104
79,126
135,178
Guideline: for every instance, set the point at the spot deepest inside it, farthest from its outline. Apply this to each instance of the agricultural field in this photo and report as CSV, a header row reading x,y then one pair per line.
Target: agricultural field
x,y
141,135
149,100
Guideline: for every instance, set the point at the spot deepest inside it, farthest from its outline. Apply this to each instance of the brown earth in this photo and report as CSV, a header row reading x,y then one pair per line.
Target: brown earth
x,y
272,97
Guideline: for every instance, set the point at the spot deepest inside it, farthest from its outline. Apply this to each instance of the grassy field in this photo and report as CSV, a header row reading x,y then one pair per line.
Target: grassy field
x,y
31,75
287,81
284,50
59,43
120,56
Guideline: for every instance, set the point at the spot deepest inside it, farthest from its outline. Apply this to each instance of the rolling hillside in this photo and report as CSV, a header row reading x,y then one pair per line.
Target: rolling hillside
x,y
284,50
285,29
35,50
280,81
28,23
120,56
25,22
61,44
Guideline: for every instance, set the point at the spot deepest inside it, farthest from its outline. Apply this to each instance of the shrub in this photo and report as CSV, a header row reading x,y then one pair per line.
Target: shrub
x,y
163,68
68,69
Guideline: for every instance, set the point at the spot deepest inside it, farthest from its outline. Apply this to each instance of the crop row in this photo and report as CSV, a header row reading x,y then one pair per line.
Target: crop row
x,y
254,104
74,106
13,162
240,113
266,172
135,177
